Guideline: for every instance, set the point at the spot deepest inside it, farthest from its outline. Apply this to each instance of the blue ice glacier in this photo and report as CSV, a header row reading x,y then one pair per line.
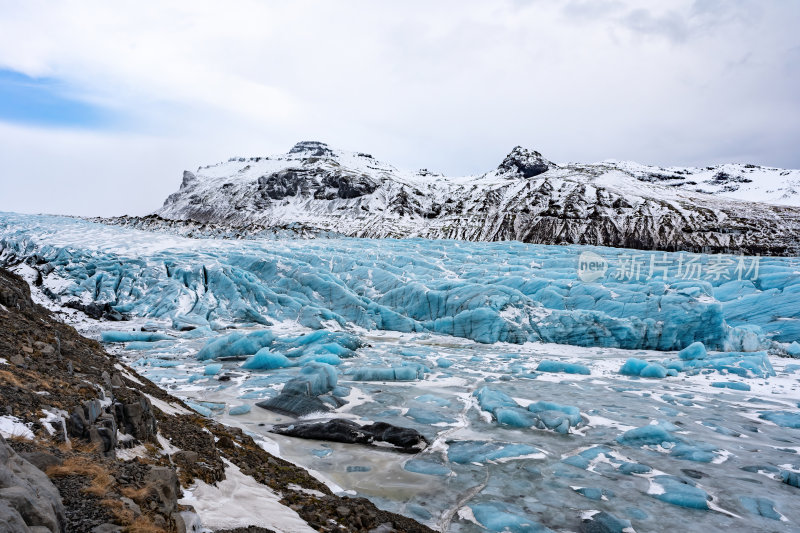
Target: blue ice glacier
x,y
487,292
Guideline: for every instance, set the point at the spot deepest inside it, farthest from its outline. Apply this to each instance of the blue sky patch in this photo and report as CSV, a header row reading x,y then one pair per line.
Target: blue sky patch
x,y
43,101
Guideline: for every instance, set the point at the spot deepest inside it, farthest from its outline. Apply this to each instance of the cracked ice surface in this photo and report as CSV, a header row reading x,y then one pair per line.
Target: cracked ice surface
x,y
712,445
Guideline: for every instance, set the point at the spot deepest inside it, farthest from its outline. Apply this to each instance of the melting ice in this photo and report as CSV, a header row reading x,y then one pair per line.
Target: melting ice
x,y
630,401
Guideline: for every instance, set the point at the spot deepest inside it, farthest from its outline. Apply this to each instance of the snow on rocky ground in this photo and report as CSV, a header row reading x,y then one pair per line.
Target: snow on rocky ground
x,y
546,399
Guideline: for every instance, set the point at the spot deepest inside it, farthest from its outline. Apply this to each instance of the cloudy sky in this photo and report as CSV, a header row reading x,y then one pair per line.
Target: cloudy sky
x,y
103,104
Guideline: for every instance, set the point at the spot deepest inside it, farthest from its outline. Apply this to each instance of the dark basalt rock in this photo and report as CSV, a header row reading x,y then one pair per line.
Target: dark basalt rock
x,y
340,430
97,311
528,163
312,149
350,186
28,499
281,184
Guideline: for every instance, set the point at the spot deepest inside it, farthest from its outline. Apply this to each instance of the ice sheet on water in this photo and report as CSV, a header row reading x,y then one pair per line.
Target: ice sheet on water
x,y
130,336
467,451
499,516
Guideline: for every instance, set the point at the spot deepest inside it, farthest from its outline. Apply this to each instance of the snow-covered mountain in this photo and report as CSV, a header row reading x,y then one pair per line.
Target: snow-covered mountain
x,y
732,207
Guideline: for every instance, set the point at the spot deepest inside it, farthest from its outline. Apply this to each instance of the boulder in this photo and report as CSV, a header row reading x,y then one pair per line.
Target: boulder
x,y
27,497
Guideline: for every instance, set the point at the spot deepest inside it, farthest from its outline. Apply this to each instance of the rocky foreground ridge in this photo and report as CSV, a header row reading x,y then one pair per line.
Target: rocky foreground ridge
x,y
314,189
93,447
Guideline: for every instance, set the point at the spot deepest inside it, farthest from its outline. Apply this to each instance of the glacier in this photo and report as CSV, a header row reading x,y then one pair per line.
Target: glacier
x,y
548,402
487,292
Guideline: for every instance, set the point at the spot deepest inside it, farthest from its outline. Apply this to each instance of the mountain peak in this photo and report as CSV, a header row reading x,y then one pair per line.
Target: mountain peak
x,y
311,149
527,163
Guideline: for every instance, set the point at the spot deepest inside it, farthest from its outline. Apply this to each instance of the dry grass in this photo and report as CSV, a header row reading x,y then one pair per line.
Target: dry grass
x,y
137,495
100,479
122,514
7,378
144,525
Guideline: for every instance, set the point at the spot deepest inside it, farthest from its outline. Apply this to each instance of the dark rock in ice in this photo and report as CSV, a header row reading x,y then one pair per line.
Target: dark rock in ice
x,y
341,430
98,311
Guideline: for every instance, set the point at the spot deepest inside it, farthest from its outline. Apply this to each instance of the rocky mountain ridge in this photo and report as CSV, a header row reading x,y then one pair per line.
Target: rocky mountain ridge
x,y
526,198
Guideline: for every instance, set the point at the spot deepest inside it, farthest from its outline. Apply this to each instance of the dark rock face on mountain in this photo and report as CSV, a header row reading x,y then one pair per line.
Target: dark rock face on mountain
x,y
526,163
527,198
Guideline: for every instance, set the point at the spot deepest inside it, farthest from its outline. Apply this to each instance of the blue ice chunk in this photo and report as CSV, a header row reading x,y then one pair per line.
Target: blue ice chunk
x,y
258,394
559,366
426,416
264,359
699,452
696,350
198,333
203,410
497,516
653,370
785,419
475,451
419,511
236,344
444,363
604,522
358,468
790,478
431,468
189,322
652,435
315,379
490,399
402,373
430,398
681,493
239,410
593,493
147,345
735,385
131,336
633,367
794,350
156,362
212,370
328,358
515,417
340,391
577,460
744,364
214,406
324,452
760,507
634,468
572,413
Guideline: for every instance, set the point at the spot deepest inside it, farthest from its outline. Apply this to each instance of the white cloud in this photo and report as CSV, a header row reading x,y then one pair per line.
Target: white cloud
x,y
449,85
